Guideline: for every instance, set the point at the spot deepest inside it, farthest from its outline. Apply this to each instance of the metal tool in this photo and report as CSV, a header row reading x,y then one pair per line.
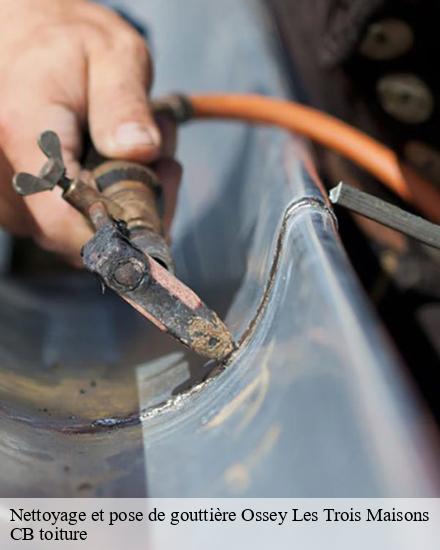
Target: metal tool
x,y
385,213
128,250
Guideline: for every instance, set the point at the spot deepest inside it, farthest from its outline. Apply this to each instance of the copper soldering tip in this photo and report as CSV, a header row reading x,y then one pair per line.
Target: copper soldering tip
x,y
156,293
209,336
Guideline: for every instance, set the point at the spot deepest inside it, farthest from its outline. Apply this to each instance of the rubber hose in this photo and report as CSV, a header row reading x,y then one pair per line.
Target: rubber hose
x,y
370,154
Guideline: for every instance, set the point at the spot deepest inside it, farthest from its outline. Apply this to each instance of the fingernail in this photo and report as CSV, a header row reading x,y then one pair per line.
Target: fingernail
x,y
133,134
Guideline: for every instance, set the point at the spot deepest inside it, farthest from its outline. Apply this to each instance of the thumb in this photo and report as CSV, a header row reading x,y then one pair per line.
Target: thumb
x,y
120,121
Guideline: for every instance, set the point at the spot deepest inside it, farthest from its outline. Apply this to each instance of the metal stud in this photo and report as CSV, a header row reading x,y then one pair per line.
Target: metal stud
x,y
406,97
387,39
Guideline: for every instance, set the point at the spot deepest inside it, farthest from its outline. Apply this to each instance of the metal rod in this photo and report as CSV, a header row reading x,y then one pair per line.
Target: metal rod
x,y
387,214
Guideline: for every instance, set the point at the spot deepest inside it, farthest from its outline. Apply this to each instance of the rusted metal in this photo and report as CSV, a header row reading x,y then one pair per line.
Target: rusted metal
x,y
98,215
129,274
129,251
155,293
82,196
136,191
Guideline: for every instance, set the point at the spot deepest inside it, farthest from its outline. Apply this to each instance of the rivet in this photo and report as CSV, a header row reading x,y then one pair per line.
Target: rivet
x,y
129,274
406,97
387,39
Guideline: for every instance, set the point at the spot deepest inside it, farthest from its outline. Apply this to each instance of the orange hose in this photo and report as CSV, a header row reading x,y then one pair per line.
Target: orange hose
x,y
363,150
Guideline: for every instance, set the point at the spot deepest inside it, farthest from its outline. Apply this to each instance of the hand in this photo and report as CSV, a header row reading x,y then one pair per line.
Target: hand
x,y
68,65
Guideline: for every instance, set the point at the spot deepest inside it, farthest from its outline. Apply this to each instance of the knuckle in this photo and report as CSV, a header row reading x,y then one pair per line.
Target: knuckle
x,y
94,35
59,35
133,44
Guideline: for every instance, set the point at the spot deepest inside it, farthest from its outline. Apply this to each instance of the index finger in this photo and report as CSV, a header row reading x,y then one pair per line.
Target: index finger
x,y
58,227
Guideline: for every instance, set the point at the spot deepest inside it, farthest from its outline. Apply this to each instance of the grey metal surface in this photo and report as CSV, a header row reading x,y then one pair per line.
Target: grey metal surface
x,y
95,402
386,213
5,251
314,404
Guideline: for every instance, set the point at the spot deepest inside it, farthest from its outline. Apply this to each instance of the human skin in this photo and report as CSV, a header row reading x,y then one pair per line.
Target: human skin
x,y
73,66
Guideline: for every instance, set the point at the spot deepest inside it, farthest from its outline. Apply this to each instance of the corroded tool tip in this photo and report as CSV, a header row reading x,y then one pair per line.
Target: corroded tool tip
x,y
156,293
210,338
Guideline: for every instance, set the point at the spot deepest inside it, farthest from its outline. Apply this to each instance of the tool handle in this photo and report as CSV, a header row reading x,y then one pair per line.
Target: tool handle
x,y
124,191
135,189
